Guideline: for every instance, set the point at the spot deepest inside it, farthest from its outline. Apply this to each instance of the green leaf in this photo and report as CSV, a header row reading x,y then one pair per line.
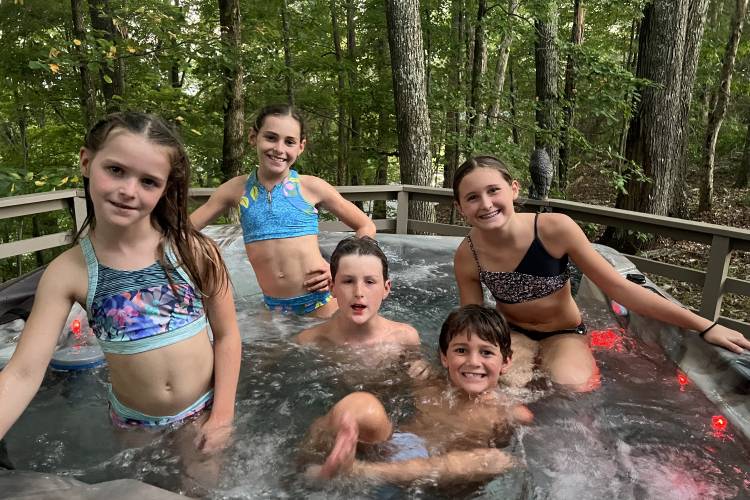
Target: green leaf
x,y
107,79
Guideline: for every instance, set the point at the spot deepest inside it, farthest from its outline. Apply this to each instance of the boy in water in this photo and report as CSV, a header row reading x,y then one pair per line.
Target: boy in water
x,y
359,272
458,427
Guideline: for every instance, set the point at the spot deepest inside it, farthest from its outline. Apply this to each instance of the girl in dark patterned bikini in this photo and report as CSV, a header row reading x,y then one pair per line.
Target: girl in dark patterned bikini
x,y
522,259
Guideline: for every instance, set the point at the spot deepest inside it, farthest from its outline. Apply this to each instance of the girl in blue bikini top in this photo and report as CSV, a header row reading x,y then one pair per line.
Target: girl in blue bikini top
x,y
522,259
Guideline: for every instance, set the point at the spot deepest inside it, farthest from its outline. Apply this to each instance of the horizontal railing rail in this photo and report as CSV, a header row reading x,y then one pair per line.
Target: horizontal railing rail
x,y
714,280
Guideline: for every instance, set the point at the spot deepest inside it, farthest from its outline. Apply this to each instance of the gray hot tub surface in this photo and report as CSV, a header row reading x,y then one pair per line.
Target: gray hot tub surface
x,y
617,443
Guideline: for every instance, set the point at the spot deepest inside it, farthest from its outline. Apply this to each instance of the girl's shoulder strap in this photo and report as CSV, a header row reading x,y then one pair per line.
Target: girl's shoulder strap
x,y
92,266
175,262
474,252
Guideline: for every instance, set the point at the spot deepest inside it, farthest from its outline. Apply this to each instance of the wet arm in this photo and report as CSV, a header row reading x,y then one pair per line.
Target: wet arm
x,y
639,299
467,277
224,198
346,211
21,378
450,468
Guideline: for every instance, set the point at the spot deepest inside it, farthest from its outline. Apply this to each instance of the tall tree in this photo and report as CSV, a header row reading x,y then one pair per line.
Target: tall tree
x,y
743,169
571,74
503,51
410,96
343,130
234,102
288,74
453,115
546,64
113,72
354,163
478,68
719,108
88,88
655,134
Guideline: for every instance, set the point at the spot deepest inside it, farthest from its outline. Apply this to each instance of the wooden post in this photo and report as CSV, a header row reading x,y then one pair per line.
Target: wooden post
x,y
716,275
79,209
402,212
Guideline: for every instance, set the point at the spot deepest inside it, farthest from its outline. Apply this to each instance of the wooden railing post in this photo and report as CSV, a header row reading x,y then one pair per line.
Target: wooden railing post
x,y
716,275
79,209
402,212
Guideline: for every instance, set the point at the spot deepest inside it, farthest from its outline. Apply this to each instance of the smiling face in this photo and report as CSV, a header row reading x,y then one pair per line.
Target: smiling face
x,y
485,198
474,365
279,144
359,287
127,178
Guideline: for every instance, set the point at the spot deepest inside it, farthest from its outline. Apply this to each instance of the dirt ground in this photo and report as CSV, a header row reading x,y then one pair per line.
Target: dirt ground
x,y
731,207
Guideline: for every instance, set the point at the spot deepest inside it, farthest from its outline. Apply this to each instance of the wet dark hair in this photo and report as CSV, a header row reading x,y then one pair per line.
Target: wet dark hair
x,y
280,110
355,245
479,162
195,252
474,319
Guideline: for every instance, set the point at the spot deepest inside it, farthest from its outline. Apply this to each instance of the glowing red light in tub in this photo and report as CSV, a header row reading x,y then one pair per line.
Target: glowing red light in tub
x,y
718,423
607,339
75,327
682,379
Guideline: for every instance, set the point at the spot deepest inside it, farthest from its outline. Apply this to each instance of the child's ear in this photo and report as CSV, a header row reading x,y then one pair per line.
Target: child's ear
x,y
458,207
252,137
443,360
302,145
506,365
516,188
84,160
387,286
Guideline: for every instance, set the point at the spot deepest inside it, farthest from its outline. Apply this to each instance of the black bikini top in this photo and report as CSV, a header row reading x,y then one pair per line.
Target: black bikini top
x,y
538,275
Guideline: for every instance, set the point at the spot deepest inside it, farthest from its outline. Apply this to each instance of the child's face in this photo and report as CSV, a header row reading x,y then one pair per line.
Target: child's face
x,y
474,365
127,177
486,198
278,145
359,287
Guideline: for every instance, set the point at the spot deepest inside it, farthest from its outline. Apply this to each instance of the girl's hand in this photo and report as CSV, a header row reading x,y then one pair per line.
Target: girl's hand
x,y
727,338
213,436
318,279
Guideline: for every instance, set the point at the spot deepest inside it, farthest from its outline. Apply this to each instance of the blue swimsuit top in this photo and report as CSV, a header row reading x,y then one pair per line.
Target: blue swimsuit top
x,y
137,311
537,275
279,213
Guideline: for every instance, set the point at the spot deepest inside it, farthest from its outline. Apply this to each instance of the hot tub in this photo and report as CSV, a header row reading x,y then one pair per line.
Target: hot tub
x,y
652,430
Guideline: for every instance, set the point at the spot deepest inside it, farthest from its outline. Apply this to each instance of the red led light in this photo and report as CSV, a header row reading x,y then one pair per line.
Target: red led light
x,y
75,327
606,339
718,422
682,379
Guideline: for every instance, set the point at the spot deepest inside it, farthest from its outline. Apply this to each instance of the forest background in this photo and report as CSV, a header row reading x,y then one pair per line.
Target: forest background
x,y
638,104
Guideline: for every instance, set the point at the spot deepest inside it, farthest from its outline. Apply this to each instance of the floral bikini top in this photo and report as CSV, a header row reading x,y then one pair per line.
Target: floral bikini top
x,y
137,311
538,275
281,212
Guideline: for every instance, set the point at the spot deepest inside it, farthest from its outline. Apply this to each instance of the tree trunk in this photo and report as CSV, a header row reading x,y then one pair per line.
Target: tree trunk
x,y
571,74
503,51
288,74
381,168
743,169
697,13
631,59
112,75
478,68
175,81
88,90
355,152
452,119
512,97
655,133
718,112
545,59
234,103
412,117
341,177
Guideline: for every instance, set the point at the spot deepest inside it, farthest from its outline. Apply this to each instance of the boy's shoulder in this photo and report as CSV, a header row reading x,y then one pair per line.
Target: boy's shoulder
x,y
402,333
314,335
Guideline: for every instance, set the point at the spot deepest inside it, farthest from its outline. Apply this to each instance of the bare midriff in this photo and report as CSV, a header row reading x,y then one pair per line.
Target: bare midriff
x,y
166,380
281,265
556,311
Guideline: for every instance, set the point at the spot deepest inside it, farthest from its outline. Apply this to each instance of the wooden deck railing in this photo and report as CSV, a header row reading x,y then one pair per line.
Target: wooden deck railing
x,y
714,280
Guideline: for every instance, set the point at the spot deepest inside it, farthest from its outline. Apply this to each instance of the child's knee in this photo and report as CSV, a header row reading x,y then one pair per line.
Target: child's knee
x,y
368,413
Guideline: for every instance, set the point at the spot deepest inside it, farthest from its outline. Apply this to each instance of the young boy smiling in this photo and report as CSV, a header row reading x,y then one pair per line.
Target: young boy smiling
x,y
458,426
359,271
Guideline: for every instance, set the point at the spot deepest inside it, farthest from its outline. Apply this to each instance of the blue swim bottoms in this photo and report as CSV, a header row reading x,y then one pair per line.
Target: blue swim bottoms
x,y
302,305
125,417
406,446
